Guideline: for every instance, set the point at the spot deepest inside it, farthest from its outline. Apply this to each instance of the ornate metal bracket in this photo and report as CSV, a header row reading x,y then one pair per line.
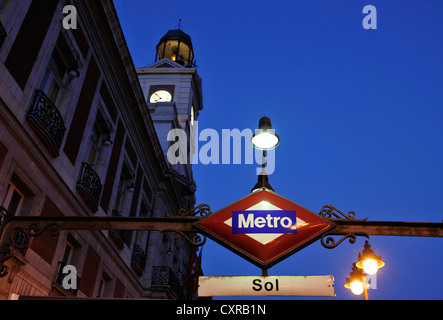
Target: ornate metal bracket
x,y
202,210
329,242
332,213
19,238
198,240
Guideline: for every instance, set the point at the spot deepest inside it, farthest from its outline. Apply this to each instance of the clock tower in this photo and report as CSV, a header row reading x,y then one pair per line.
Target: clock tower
x,y
173,93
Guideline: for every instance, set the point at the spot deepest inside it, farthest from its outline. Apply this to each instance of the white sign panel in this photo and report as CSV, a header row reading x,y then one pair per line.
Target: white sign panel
x,y
303,286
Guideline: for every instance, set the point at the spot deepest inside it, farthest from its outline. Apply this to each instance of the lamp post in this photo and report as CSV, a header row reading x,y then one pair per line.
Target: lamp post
x,y
264,139
368,263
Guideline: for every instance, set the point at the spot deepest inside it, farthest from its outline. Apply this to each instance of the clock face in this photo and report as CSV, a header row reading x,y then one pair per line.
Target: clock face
x,y
160,96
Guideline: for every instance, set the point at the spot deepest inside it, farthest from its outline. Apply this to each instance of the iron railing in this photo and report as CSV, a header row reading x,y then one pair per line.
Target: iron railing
x,y
138,259
47,121
118,236
164,277
89,186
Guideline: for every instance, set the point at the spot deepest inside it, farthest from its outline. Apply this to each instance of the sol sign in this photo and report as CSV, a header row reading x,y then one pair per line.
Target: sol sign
x,y
312,286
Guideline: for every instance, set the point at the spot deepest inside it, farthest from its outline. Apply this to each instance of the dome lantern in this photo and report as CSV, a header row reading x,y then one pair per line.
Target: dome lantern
x,y
177,46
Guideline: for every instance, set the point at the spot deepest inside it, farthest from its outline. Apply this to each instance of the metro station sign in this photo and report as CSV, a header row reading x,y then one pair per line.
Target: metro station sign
x,y
264,227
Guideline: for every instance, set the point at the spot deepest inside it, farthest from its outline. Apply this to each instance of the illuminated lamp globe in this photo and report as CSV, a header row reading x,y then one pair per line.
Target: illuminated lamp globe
x,y
355,282
357,287
369,261
265,137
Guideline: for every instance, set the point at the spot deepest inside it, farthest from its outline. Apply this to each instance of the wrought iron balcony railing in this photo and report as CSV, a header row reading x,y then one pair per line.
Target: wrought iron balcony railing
x,y
61,276
89,186
3,34
118,236
47,121
138,259
164,277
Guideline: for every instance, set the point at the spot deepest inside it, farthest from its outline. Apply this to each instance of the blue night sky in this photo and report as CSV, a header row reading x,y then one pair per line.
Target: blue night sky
x,y
359,113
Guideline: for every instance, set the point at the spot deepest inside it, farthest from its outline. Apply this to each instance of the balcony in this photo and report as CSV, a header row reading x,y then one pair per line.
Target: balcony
x,y
89,186
164,278
138,260
47,121
119,236
59,282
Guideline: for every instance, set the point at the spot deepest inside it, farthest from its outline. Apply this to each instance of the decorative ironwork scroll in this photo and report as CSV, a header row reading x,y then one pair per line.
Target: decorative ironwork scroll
x,y
330,212
202,210
329,242
19,238
197,240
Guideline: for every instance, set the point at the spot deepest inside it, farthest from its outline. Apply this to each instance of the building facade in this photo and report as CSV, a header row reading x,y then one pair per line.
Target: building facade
x,y
81,136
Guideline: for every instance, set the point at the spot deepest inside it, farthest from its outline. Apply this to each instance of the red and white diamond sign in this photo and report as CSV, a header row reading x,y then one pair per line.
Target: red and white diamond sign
x,y
264,227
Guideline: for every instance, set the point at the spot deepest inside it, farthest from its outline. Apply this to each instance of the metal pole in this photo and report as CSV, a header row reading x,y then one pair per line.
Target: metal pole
x,y
365,288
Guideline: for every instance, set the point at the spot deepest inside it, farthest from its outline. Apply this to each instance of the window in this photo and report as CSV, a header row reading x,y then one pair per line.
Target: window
x,y
96,143
141,237
12,200
61,64
104,286
99,139
124,185
67,256
52,83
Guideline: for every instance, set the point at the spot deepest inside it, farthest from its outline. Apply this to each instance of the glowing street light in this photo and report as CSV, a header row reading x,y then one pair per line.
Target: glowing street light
x,y
369,261
265,137
357,282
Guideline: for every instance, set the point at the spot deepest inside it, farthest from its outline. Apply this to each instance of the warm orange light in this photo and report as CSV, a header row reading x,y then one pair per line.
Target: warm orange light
x,y
369,261
356,280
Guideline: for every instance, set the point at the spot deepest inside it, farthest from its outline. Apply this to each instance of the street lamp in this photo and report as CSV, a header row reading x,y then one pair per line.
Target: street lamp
x,y
369,261
357,282
264,139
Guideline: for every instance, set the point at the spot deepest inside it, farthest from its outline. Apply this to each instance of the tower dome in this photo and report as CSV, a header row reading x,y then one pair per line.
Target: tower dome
x,y
177,46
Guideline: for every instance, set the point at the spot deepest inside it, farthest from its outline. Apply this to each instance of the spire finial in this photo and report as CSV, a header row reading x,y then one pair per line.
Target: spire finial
x,y
179,24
